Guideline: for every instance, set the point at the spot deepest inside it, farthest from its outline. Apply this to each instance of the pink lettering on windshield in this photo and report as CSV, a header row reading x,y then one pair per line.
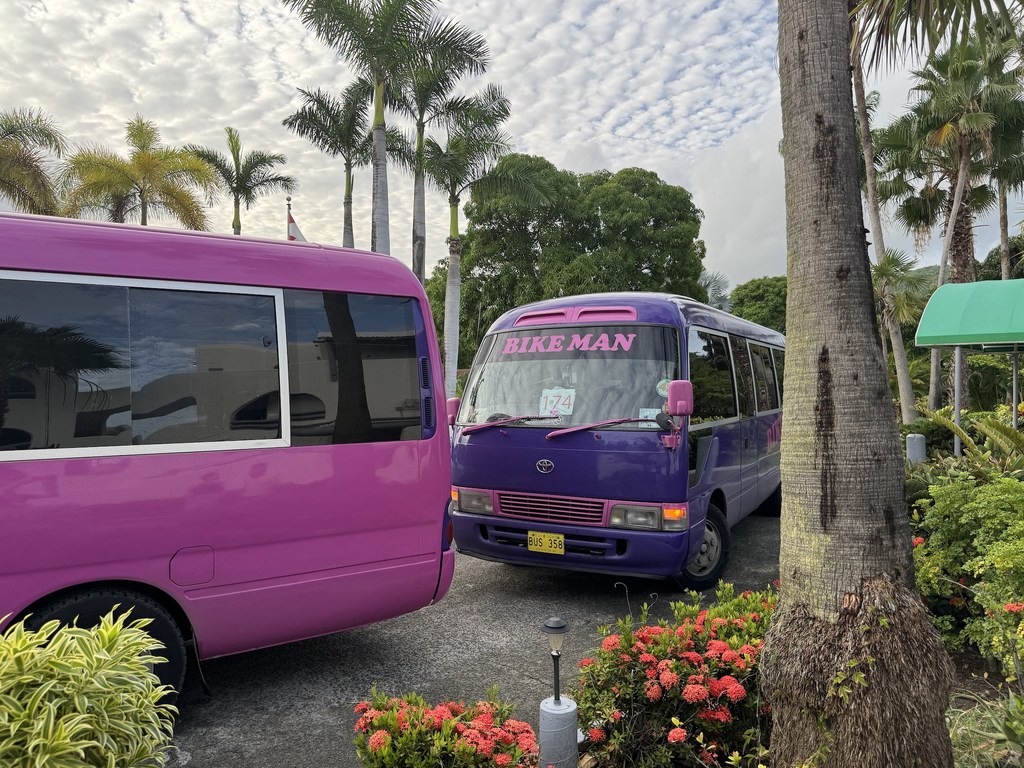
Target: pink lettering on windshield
x,y
583,342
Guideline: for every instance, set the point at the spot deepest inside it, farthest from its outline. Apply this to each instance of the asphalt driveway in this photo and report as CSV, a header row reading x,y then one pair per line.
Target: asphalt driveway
x,y
291,706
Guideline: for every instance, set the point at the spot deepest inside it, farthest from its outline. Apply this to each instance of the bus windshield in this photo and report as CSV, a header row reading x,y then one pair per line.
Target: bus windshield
x,y
573,375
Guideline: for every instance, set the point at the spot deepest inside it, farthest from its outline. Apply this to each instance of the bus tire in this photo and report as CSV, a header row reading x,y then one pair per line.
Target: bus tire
x,y
704,571
90,606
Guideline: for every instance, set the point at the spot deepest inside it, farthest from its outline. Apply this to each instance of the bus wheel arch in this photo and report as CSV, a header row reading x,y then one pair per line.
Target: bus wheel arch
x,y
704,571
170,626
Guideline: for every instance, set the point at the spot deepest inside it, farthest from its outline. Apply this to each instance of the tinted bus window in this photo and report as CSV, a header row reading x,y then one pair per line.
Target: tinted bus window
x,y
203,367
764,378
711,373
353,368
744,375
101,365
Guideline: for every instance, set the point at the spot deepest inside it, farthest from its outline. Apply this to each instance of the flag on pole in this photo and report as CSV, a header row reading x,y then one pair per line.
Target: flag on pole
x,y
294,233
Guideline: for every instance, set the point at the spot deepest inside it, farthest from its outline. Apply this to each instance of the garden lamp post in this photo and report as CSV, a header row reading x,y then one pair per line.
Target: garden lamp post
x,y
555,628
558,719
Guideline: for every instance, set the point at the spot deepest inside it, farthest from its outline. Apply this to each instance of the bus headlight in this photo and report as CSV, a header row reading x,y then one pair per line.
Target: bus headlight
x,y
635,516
475,501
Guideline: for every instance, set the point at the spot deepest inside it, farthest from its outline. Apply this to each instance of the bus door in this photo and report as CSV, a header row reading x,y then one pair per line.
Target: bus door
x,y
748,428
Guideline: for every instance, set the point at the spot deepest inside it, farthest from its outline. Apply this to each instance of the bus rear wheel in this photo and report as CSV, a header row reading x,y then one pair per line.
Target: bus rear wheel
x,y
704,571
85,609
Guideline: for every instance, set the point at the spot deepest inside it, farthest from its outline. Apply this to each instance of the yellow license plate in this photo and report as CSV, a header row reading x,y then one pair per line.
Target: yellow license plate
x,y
552,543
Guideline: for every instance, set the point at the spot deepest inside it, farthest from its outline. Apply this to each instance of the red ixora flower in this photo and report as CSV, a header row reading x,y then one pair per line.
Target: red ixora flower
x,y
695,693
1014,607
653,691
677,735
597,735
918,541
610,643
585,663
379,739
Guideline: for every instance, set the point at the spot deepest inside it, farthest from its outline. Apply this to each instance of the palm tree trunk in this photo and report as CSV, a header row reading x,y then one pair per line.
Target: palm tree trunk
x,y
1004,234
380,233
352,422
143,210
452,300
847,597
934,385
236,222
419,211
419,226
902,365
348,238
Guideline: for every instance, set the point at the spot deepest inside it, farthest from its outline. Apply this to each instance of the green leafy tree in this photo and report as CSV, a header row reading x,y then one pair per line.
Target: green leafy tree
x,y
245,177
26,137
376,38
153,178
762,301
851,634
442,54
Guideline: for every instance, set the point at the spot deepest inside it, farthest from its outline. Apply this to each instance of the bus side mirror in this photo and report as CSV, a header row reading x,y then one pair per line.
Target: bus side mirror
x,y
680,398
453,404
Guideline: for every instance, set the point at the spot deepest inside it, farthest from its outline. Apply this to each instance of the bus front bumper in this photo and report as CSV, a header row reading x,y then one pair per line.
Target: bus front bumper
x,y
619,551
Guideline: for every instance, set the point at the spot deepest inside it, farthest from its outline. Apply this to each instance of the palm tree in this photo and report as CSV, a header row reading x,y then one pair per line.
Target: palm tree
x,y
848,603
375,38
245,177
717,286
26,135
444,52
466,163
152,178
65,352
900,296
337,126
889,27
964,95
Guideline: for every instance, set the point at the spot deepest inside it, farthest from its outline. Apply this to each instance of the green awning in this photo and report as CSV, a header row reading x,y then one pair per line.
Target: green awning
x,y
988,315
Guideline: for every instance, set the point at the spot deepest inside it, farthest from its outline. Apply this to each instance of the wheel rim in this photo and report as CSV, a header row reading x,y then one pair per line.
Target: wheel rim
x,y
710,552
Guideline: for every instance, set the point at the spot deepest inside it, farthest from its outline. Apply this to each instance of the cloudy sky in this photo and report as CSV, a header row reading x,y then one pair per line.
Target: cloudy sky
x,y
686,89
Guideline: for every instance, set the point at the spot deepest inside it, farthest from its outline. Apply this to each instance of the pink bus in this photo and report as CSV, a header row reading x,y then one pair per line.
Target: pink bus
x,y
237,438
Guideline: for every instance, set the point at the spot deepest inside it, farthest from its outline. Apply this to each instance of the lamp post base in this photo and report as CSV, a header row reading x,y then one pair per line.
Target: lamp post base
x,y
558,733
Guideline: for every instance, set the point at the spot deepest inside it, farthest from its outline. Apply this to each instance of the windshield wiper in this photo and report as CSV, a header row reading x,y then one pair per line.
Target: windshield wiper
x,y
506,420
595,425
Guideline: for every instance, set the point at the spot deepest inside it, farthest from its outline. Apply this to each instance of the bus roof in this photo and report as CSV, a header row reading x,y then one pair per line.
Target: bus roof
x,y
627,307
52,244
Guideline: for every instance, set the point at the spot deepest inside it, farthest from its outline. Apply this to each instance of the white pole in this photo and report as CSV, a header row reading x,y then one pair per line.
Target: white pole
x,y
956,398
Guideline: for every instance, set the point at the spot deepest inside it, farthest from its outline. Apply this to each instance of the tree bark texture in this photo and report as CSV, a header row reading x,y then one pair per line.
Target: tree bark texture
x,y
452,305
847,600
348,237
419,226
1004,234
380,233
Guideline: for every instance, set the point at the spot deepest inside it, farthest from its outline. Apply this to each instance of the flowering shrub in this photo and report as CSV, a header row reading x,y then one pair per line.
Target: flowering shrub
x,y
970,563
410,733
681,694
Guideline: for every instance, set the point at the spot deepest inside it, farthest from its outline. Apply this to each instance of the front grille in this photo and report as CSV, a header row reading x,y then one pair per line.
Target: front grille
x,y
554,509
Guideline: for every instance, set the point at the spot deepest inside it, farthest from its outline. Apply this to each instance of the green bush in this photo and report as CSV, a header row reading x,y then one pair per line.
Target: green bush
x,y
969,559
407,732
82,698
680,694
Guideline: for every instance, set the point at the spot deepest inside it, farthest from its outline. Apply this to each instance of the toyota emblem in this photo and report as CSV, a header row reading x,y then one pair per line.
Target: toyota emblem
x,y
544,466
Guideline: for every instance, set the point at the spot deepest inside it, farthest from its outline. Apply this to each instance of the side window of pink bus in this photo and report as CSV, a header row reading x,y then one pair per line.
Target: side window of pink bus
x,y
353,368
85,365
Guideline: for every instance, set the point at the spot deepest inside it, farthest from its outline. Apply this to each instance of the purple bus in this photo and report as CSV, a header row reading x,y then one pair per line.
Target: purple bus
x,y
617,433
236,438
